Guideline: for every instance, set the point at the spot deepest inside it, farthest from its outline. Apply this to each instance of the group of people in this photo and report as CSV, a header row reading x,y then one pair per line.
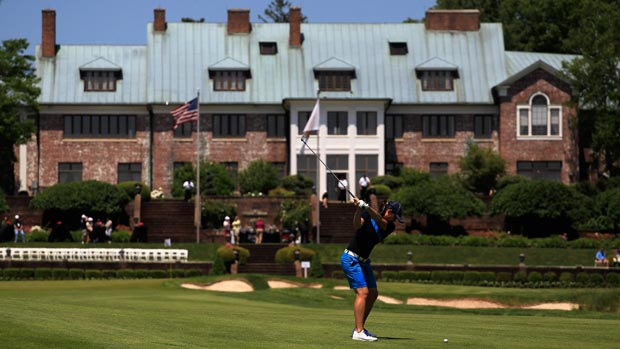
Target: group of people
x,y
12,230
601,260
95,231
232,230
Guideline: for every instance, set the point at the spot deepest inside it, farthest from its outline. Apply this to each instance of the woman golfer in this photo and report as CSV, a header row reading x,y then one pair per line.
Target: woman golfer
x,y
372,227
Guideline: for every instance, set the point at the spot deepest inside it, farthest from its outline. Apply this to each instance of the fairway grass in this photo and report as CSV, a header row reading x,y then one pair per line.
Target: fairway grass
x,y
161,314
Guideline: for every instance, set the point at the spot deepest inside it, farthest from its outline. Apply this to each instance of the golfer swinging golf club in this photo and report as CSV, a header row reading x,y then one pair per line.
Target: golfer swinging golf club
x,y
371,227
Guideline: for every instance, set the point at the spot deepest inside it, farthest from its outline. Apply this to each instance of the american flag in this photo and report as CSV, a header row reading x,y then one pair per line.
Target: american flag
x,y
186,112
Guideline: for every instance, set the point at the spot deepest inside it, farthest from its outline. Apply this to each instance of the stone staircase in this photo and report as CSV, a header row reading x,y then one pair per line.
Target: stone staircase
x,y
336,222
172,219
262,260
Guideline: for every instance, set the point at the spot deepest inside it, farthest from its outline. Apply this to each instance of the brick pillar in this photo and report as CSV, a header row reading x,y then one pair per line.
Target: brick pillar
x,y
238,21
160,20
48,39
295,27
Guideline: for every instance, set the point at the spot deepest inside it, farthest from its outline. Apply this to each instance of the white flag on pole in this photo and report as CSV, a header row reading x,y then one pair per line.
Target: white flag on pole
x,y
313,120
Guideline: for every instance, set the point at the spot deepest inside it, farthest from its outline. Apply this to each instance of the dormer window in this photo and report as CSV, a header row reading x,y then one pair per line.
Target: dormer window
x,y
100,80
437,80
398,48
335,80
229,80
268,48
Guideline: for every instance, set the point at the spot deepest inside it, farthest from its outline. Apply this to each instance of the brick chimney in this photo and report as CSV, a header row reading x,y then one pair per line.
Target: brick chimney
x,y
294,16
239,21
461,20
48,31
160,20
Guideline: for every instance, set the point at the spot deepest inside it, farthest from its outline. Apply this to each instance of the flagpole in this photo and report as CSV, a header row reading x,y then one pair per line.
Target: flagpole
x,y
197,210
318,178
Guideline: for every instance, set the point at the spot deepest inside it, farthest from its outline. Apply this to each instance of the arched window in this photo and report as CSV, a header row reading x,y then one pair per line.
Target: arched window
x,y
539,118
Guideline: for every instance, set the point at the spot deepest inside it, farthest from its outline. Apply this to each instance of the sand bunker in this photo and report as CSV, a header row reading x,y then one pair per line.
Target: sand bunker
x,y
243,286
482,304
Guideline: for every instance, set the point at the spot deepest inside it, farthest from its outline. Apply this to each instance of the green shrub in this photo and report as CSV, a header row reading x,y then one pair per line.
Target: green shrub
x,y
228,255
108,274
142,274
382,190
213,213
534,277
550,242
550,276
471,278
92,274
177,273
316,266
421,276
503,276
567,278
219,267
126,274
26,273
129,188
406,275
279,191
487,276
446,276
121,236
583,278
514,241
338,274
158,274
392,182
470,240
520,277
11,273
399,239
596,280
76,274
586,243
250,182
38,235
389,275
193,272
286,255
297,185
43,274
60,274
613,279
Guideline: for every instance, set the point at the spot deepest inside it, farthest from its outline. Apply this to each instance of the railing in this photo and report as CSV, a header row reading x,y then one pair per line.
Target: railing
x,y
94,254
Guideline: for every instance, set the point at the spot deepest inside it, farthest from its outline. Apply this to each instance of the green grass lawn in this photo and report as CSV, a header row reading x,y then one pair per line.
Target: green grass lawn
x,y
161,314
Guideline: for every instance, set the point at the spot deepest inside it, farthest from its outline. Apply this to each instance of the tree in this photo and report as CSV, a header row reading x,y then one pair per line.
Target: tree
x,y
595,79
278,11
18,95
214,179
259,177
481,167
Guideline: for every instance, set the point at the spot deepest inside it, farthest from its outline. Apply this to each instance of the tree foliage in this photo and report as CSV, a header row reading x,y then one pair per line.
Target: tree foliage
x,y
278,12
595,79
214,179
18,95
259,177
540,208
294,212
481,168
299,184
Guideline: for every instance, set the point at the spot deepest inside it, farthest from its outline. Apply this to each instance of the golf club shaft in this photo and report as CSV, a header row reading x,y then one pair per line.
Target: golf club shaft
x,y
328,169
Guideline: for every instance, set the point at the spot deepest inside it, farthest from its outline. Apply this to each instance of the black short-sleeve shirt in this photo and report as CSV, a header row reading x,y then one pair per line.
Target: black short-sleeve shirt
x,y
368,236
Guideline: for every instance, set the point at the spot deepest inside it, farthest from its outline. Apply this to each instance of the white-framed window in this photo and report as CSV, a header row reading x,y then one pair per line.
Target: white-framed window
x,y
539,119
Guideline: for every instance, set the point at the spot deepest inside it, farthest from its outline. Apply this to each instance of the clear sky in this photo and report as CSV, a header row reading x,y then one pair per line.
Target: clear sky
x,y
124,21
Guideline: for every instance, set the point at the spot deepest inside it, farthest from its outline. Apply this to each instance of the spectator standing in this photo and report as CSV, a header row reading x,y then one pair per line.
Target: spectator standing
x,y
59,233
139,233
324,199
259,226
236,228
83,222
227,230
188,187
89,229
615,255
108,231
364,183
6,231
342,188
18,228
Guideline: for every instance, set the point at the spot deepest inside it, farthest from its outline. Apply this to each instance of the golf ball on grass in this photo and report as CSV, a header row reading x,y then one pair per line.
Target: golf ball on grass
x,y
445,340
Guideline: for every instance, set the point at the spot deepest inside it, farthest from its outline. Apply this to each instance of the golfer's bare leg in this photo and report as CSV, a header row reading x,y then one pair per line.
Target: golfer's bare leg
x,y
359,307
370,302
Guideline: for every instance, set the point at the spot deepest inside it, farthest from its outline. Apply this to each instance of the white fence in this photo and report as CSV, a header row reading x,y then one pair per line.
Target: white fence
x,y
94,254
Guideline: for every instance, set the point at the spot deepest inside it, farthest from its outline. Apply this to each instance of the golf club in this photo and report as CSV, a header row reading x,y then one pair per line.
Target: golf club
x,y
328,169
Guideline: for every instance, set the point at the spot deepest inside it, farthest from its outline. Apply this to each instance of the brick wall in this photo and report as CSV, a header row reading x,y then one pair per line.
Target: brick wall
x,y
238,21
564,150
462,20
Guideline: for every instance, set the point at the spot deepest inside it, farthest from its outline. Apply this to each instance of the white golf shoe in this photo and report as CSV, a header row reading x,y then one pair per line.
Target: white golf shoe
x,y
363,336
